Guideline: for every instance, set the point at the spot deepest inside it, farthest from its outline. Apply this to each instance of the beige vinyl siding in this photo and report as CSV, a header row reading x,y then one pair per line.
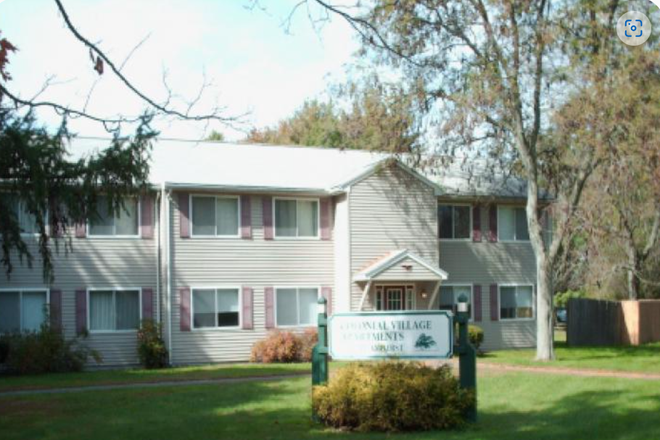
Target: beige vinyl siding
x,y
341,237
399,273
487,263
100,263
390,210
255,263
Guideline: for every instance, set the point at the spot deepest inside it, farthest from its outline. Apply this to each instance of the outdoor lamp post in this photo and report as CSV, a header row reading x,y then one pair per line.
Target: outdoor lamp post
x,y
467,355
320,351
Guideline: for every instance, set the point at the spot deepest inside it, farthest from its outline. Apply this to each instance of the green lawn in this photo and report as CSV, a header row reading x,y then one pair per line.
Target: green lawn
x,y
107,377
512,406
642,359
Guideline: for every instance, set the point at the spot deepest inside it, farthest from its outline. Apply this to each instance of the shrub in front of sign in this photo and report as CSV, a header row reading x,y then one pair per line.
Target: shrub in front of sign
x,y
476,337
285,347
392,396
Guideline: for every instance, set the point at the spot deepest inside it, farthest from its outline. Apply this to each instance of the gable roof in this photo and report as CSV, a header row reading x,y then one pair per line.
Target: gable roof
x,y
392,259
296,169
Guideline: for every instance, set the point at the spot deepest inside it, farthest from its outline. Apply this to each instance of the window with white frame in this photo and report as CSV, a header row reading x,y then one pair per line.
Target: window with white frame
x,y
516,302
22,310
26,221
449,295
114,310
213,308
123,223
512,223
215,216
455,222
296,306
296,218
395,297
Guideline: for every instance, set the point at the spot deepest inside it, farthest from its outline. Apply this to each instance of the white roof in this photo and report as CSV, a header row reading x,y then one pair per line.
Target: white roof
x,y
256,167
372,271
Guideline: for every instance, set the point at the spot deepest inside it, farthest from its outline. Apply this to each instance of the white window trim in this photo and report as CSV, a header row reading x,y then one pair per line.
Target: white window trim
x,y
499,302
296,237
19,216
20,291
471,302
453,223
515,240
215,298
114,290
276,288
383,285
216,197
88,229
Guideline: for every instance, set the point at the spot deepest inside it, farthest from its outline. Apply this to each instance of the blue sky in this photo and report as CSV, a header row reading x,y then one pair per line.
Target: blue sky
x,y
253,64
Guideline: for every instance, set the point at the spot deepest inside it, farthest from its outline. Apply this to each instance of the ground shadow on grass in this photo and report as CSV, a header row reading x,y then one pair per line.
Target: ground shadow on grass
x,y
281,410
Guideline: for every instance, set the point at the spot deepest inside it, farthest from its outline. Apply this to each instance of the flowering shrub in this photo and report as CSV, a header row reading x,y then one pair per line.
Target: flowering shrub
x,y
285,346
151,347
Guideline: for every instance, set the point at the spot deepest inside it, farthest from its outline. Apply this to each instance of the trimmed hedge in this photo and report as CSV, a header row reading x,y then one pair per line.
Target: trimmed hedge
x,y
285,347
392,396
476,336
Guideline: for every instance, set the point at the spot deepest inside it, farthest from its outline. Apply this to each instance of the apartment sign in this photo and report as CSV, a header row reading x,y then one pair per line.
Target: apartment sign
x,y
379,335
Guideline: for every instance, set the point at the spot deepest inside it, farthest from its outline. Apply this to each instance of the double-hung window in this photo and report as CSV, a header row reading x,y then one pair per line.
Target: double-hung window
x,y
123,223
216,216
296,218
296,306
22,309
516,302
214,308
26,221
114,310
449,296
455,222
512,223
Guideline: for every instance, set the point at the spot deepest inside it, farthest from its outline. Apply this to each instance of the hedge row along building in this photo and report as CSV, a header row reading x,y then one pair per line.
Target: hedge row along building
x,y
235,240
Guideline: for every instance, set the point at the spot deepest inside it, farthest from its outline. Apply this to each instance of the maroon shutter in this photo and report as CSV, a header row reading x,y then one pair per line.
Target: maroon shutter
x,y
476,224
56,308
325,219
492,220
147,216
248,316
81,311
477,303
269,302
184,302
147,303
184,212
327,294
494,303
81,230
246,217
268,217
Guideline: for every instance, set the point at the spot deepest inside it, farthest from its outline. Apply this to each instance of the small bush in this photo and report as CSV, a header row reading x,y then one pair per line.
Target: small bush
x,y
151,346
285,347
392,396
476,336
43,351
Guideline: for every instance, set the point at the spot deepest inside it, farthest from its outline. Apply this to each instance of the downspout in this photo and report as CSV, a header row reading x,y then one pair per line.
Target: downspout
x,y
168,259
159,199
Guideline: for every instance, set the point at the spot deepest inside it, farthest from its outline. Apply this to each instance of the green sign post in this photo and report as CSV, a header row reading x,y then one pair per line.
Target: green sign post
x,y
467,355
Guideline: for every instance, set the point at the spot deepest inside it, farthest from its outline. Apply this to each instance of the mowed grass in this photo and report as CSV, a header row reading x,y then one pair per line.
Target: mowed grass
x,y
113,377
511,406
642,359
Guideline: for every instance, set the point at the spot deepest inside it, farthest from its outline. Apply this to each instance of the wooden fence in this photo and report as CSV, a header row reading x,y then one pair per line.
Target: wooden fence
x,y
594,322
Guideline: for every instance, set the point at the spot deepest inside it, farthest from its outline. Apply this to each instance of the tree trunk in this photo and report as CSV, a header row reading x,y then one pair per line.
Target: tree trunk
x,y
544,326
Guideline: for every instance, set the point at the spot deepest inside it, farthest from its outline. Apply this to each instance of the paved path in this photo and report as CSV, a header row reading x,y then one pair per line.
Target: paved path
x,y
568,371
167,383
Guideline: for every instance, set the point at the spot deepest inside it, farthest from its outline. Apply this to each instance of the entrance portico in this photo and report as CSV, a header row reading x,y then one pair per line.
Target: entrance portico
x,y
400,280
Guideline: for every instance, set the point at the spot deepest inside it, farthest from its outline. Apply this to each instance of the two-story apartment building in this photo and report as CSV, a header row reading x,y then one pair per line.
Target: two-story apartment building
x,y
236,240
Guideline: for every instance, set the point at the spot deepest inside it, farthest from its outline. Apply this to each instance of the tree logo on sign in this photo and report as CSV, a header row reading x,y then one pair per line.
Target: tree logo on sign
x,y
424,342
